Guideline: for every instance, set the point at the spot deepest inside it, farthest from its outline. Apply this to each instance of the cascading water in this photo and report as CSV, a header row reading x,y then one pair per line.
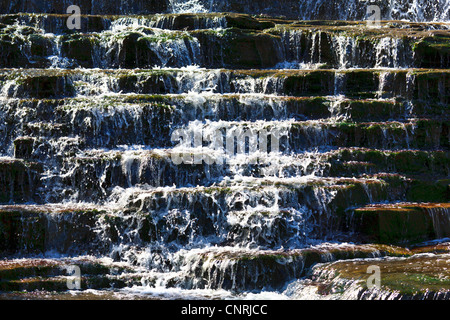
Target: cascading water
x,y
189,6
175,150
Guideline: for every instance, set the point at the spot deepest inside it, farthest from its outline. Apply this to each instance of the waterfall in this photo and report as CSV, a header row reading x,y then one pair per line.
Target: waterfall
x,y
225,149
412,10
188,6
440,217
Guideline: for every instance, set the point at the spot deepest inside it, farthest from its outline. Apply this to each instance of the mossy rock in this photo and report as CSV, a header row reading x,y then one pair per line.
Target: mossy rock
x,y
40,45
249,50
369,110
113,7
21,231
318,83
46,86
396,224
19,181
11,55
433,52
38,229
417,277
23,148
432,86
80,48
429,191
361,84
241,21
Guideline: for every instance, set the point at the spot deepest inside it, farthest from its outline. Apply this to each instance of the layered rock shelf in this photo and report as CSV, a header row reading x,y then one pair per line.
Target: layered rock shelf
x,y
354,173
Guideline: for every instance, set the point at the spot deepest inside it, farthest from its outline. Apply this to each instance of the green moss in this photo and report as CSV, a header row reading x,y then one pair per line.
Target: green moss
x,y
430,52
250,49
80,47
167,37
413,277
317,83
429,191
241,21
395,224
361,84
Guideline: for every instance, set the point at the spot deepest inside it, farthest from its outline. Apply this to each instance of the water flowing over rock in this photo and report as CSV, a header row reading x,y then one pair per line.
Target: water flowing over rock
x,y
204,148
412,10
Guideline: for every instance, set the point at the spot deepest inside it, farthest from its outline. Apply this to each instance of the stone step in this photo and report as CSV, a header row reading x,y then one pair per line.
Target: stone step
x,y
99,171
291,9
158,168
227,107
23,268
58,284
154,129
100,7
354,161
77,295
240,269
39,229
252,270
416,188
147,120
221,268
293,209
243,270
235,44
377,135
57,23
19,180
55,275
427,86
229,268
419,277
403,222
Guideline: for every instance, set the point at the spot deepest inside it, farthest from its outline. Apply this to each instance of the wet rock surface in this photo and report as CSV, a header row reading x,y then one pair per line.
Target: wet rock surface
x,y
355,172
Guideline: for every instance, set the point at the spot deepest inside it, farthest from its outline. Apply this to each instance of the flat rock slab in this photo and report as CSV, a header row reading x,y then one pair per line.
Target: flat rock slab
x,y
404,222
424,276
